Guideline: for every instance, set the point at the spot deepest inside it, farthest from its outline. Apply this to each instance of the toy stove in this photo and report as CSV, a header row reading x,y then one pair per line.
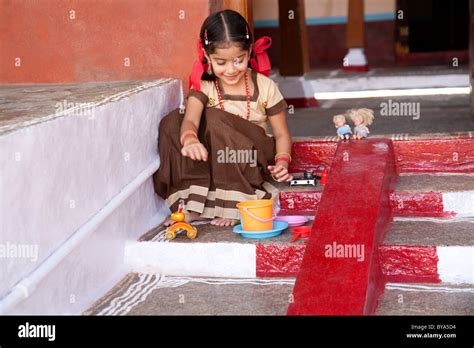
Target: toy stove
x,y
308,178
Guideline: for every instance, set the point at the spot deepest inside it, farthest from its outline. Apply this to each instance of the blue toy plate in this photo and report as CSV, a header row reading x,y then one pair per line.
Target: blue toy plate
x,y
278,227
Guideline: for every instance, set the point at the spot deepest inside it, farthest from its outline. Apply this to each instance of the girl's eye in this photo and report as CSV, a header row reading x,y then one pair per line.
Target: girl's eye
x,y
236,62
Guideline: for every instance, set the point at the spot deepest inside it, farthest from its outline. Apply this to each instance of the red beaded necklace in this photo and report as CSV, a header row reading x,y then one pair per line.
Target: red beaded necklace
x,y
247,94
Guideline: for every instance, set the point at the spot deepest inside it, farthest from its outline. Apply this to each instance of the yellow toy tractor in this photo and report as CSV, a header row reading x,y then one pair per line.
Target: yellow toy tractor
x,y
191,231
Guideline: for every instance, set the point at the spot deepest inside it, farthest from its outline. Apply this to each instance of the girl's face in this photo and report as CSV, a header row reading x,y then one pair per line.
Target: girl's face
x,y
229,64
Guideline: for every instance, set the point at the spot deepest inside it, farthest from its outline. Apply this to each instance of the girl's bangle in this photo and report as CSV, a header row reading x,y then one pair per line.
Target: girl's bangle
x,y
286,159
184,143
280,154
186,134
193,139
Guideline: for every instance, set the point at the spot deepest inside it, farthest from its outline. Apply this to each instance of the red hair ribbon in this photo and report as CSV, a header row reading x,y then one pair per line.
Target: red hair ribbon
x,y
262,63
198,69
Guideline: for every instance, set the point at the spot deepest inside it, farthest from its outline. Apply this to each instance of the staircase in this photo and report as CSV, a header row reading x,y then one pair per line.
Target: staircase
x,y
420,245
426,253
430,240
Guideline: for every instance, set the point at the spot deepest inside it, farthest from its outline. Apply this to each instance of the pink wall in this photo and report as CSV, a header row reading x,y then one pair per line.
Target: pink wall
x,y
93,47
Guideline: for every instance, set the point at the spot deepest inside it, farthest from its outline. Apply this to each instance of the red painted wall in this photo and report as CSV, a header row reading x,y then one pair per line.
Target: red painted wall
x,y
93,47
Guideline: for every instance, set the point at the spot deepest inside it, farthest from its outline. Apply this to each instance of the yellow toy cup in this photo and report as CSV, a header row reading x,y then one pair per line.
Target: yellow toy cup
x,y
256,215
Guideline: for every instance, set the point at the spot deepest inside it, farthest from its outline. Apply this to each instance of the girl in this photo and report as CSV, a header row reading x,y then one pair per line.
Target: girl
x,y
219,153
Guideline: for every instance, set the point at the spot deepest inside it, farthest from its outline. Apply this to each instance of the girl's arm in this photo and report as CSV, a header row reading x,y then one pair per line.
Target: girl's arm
x,y
281,132
283,145
192,115
192,147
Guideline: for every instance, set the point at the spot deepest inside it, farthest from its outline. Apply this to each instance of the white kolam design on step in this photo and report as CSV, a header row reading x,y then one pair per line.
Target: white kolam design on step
x,y
138,292
427,288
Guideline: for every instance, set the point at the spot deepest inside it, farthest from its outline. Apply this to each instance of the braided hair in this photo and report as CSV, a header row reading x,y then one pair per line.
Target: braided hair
x,y
221,30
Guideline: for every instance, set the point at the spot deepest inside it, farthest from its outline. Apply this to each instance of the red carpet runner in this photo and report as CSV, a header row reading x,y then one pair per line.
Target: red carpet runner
x,y
340,273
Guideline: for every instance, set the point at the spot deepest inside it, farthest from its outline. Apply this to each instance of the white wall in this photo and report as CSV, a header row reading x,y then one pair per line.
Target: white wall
x,y
72,167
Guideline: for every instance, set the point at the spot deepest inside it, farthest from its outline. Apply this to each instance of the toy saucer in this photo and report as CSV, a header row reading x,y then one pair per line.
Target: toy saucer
x,y
278,227
300,232
293,220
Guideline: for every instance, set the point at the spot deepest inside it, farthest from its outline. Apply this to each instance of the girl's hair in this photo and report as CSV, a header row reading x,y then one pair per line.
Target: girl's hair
x,y
222,29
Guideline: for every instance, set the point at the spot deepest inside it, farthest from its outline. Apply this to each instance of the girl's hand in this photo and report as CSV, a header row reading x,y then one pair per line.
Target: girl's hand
x,y
280,173
194,150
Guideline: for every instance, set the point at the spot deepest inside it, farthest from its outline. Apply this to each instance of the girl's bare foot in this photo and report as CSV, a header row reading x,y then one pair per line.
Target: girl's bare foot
x,y
188,217
223,222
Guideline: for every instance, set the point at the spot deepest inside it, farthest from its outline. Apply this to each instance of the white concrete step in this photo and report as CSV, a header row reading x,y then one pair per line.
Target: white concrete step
x,y
76,184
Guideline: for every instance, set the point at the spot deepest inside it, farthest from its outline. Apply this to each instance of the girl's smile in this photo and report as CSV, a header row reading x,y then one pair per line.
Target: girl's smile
x,y
232,77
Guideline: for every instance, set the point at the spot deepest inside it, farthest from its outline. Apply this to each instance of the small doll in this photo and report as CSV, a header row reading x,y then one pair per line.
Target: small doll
x,y
361,119
343,130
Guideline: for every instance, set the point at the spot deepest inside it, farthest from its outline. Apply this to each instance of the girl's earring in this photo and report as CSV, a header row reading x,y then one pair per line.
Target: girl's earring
x,y
209,68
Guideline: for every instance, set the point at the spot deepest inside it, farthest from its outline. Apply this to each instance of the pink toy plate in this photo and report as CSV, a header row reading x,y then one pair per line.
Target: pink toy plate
x,y
293,220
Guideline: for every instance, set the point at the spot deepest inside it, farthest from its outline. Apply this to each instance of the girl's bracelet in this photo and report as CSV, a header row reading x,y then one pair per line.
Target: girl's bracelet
x,y
190,141
188,138
282,154
286,159
187,134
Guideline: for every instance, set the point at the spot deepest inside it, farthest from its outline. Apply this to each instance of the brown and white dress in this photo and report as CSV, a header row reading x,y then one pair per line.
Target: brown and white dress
x,y
239,152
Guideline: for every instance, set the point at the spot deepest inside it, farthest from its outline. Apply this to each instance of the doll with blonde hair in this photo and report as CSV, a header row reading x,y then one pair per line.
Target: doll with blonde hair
x,y
361,118
343,129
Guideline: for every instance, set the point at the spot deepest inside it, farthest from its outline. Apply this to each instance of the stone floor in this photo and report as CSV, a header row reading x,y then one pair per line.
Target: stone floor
x,y
440,113
139,294
157,295
208,233
427,299
434,183
437,114
437,232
